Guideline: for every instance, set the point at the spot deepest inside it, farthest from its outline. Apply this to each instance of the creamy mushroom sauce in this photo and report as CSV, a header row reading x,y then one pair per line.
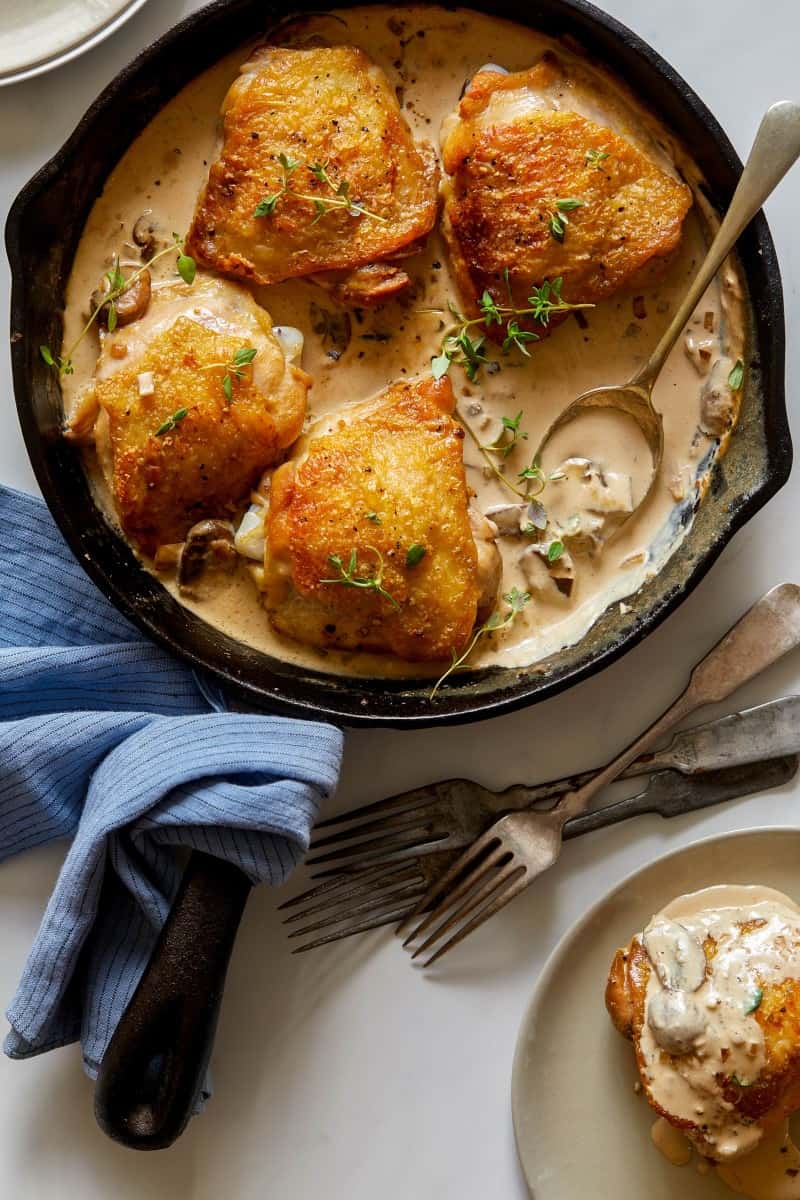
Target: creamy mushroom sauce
x,y
428,54
700,1015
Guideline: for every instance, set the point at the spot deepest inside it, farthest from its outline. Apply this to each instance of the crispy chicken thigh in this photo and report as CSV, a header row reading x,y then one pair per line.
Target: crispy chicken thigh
x,y
175,447
548,175
374,200
718,1054
382,497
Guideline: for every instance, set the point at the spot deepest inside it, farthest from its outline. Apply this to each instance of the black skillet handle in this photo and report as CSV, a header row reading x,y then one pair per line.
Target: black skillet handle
x,y
156,1061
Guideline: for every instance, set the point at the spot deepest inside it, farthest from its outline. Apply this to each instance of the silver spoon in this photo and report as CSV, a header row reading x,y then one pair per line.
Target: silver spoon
x,y
775,149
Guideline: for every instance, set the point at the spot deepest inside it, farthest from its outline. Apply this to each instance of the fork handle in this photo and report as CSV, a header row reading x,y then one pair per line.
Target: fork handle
x,y
671,794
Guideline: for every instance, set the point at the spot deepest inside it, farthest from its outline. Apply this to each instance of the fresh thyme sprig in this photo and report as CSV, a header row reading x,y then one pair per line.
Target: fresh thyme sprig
x,y
346,575
233,369
461,347
339,198
532,477
516,601
558,221
185,266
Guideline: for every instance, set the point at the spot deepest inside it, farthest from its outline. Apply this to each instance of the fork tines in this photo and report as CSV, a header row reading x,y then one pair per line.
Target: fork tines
x,y
356,901
401,827
476,886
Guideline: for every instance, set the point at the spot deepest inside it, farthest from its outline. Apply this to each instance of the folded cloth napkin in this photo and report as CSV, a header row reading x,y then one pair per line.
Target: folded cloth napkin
x,y
106,739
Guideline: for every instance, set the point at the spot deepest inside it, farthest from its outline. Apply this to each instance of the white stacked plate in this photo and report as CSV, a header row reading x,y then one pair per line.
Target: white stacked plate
x,y
37,35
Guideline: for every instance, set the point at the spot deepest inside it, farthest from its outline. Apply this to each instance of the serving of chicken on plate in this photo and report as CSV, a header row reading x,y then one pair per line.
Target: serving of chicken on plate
x,y
191,402
549,176
709,995
318,174
370,541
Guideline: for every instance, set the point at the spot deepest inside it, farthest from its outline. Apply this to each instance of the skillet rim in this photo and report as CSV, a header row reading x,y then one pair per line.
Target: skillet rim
x,y
385,703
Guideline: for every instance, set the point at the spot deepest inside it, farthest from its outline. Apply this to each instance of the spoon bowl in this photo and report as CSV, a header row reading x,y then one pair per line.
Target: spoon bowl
x,y
633,400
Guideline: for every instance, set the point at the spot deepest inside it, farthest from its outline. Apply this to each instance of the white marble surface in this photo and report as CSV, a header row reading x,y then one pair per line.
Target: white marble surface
x,y
344,1073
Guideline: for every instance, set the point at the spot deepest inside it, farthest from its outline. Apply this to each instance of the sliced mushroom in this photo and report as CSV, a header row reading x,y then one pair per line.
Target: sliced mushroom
x,y
208,546
717,404
130,304
145,234
509,518
675,1020
547,577
678,958
365,286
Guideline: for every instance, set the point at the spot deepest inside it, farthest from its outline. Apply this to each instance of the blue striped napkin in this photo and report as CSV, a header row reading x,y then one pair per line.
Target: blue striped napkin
x,y
107,740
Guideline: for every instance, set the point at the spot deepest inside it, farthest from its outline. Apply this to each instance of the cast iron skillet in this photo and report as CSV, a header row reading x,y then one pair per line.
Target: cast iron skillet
x,y
43,231
154,1067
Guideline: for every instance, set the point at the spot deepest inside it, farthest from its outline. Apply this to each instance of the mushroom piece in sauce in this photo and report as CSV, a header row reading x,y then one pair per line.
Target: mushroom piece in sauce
x,y
552,578
145,234
208,547
130,304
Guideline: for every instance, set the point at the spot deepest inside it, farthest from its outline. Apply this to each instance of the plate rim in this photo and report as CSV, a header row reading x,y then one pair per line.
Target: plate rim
x,y
556,954
60,57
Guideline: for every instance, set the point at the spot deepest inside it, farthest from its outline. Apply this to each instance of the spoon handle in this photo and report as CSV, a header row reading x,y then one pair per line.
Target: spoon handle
x,y
764,634
775,149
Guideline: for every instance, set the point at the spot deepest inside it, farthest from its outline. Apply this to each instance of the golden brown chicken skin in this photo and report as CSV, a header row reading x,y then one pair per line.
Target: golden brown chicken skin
x,y
175,445
382,497
318,173
769,1087
539,191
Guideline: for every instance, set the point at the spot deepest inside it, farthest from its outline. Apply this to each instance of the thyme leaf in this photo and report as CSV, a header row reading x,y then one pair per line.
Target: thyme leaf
x,y
596,158
758,996
558,221
557,227
516,602
171,422
415,554
569,204
187,268
736,377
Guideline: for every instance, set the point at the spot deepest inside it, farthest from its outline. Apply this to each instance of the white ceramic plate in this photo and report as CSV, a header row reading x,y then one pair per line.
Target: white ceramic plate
x,y
581,1129
37,35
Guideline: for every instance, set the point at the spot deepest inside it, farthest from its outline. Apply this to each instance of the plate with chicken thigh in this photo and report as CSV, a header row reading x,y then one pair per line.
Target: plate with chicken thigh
x,y
321,300
690,1070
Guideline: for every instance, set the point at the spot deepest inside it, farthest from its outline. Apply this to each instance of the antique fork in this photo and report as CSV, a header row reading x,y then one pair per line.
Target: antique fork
x,y
450,814
383,893
506,859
